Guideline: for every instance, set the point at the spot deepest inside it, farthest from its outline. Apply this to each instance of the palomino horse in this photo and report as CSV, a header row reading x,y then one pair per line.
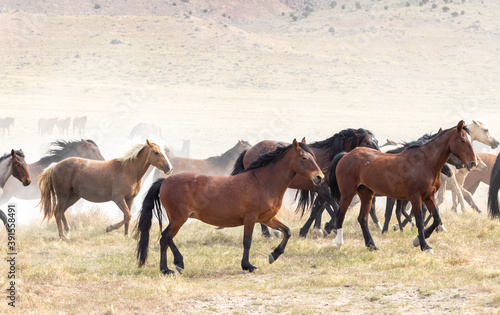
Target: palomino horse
x,y
478,132
13,164
493,208
473,179
59,150
5,123
325,151
220,165
117,180
413,175
244,199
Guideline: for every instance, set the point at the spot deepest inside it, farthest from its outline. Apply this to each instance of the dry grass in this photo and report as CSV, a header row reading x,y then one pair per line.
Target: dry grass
x,y
96,272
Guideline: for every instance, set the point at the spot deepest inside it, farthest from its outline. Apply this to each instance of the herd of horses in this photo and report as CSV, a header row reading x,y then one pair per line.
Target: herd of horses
x,y
246,184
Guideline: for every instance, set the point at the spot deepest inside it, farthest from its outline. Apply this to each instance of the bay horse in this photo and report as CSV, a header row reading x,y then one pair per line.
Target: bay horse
x,y
58,151
117,180
13,164
413,175
324,151
254,195
220,165
493,207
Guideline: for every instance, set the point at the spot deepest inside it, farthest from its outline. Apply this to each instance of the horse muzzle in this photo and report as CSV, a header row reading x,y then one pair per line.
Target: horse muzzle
x,y
168,170
470,165
494,144
318,179
26,182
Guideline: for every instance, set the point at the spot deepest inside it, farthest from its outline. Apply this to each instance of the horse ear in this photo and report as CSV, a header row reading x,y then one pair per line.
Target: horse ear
x,y
304,140
148,143
295,144
460,125
475,122
440,130
84,141
13,153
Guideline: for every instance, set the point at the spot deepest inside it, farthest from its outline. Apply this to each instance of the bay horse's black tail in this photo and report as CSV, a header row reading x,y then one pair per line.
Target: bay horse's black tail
x,y
151,201
238,165
493,208
334,186
304,199
3,217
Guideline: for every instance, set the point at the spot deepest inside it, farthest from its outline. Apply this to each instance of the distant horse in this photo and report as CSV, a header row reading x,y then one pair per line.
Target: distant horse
x,y
79,124
244,199
478,132
220,165
117,180
493,208
413,174
143,131
46,126
5,123
13,164
59,150
63,125
325,151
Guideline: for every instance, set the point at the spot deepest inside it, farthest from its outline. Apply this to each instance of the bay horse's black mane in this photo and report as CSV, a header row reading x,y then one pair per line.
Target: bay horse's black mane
x,y
226,157
335,144
425,139
274,156
60,150
7,155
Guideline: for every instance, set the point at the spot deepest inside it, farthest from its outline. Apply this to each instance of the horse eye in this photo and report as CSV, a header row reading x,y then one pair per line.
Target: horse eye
x,y
304,158
156,153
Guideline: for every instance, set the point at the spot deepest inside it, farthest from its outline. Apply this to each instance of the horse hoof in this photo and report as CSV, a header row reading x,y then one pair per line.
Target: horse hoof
x,y
317,233
277,233
271,259
379,226
416,242
179,269
441,228
337,246
108,229
395,227
167,272
372,247
430,251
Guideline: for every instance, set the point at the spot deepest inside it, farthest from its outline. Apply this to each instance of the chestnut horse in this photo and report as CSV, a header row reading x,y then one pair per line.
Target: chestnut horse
x,y
413,175
59,150
325,151
117,180
493,208
244,199
13,164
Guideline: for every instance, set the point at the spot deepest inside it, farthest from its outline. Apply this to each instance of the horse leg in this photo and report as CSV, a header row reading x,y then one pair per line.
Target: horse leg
x,y
388,213
265,231
316,210
404,204
431,205
366,196
420,239
331,225
468,197
248,225
129,202
167,240
345,201
126,216
399,208
277,225
373,214
72,199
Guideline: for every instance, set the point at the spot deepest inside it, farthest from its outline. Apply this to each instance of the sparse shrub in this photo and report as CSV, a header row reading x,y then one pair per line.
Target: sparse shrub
x,y
294,18
282,13
174,4
190,12
446,9
434,5
308,9
224,14
454,14
407,4
386,8
358,5
97,6
333,4
291,14
331,30
343,6
306,13
462,13
205,10
445,1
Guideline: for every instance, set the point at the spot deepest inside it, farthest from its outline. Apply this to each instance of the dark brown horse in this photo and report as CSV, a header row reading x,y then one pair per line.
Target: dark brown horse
x,y
244,199
493,207
13,164
325,151
413,175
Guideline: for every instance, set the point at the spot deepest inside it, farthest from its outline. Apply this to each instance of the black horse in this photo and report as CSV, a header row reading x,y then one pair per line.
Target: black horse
x,y
493,208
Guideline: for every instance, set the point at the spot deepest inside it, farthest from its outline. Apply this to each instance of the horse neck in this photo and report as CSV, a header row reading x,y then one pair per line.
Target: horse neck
x,y
227,157
5,171
437,152
279,173
138,166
